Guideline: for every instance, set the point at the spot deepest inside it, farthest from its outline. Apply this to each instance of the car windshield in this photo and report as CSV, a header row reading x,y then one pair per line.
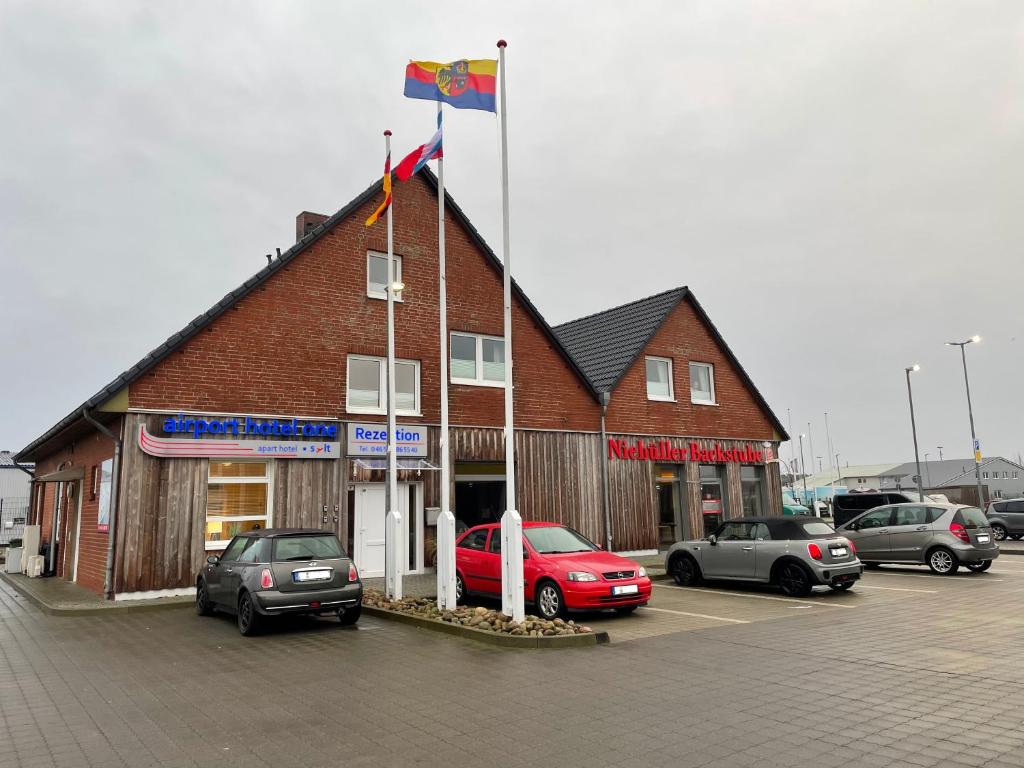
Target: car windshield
x,y
818,529
554,539
972,517
310,547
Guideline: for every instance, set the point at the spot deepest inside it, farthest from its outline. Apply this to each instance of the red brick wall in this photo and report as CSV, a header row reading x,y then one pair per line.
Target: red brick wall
x,y
283,348
684,337
85,452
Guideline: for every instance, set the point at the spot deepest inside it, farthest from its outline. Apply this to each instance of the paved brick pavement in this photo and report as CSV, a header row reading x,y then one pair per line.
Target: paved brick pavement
x,y
908,670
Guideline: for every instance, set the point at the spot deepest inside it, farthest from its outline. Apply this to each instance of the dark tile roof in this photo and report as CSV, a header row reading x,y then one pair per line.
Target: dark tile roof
x,y
229,300
606,344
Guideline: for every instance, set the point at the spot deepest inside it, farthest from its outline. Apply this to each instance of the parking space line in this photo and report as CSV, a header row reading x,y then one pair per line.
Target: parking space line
x,y
954,580
754,597
695,615
899,589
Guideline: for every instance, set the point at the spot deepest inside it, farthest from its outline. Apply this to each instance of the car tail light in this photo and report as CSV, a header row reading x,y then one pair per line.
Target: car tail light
x,y
266,579
960,532
353,574
852,546
814,551
314,604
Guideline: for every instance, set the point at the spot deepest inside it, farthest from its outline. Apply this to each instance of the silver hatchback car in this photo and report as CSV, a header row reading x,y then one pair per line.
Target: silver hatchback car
x,y
796,553
941,536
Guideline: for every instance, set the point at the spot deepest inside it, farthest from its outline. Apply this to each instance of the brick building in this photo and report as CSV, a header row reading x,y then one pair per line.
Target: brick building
x,y
635,426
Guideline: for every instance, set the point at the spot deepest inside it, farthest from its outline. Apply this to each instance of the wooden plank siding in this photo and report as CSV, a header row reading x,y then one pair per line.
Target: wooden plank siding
x,y
162,510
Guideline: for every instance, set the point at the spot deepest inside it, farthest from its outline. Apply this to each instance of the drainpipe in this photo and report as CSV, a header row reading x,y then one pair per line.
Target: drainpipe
x,y
115,478
605,398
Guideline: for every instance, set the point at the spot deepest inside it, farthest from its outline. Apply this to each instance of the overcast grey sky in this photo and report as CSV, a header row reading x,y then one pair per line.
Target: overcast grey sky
x,y
840,183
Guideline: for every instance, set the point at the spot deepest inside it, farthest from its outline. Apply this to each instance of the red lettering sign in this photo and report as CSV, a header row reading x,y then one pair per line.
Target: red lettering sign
x,y
663,450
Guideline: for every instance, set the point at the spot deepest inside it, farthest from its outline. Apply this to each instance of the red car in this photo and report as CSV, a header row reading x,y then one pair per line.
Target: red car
x,y
562,570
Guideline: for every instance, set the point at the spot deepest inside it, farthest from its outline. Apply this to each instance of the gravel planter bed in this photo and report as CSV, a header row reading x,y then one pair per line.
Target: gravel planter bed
x,y
483,624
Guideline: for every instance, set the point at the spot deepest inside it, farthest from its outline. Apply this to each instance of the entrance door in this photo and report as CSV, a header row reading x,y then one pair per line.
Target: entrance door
x,y
71,522
368,539
673,521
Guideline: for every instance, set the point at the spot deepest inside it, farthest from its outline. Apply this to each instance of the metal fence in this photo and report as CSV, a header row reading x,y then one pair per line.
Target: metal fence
x,y
13,515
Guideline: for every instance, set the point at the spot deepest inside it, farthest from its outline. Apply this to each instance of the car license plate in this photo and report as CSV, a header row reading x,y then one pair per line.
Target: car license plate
x,y
982,538
628,589
322,574
839,552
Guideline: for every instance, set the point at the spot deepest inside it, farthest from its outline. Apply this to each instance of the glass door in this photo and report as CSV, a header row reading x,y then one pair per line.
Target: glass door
x,y
672,525
712,500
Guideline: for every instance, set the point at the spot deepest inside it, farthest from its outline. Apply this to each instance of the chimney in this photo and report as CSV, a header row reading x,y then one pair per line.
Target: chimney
x,y
305,222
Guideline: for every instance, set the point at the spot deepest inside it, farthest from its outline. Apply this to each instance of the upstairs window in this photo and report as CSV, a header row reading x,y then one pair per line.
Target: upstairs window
x,y
702,383
477,359
368,386
377,275
659,379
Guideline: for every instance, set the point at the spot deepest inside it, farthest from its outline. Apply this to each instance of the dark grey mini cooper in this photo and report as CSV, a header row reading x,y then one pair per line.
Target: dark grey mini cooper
x,y
276,571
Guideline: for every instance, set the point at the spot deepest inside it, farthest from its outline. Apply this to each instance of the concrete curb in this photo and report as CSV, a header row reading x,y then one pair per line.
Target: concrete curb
x,y
107,606
1017,552
491,638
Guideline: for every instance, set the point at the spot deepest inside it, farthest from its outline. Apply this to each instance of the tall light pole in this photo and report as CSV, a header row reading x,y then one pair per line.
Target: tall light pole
x,y
940,452
970,413
803,466
927,470
913,427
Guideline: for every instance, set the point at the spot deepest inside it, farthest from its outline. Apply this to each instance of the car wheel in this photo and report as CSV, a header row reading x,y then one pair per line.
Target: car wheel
x,y
872,566
842,587
981,567
794,581
1016,536
350,616
943,562
248,618
550,605
460,590
685,571
623,610
998,532
203,605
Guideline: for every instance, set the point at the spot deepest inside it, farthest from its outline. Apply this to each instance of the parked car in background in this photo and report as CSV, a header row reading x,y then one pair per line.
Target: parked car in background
x,y
1006,518
796,553
846,506
276,571
941,536
790,506
563,570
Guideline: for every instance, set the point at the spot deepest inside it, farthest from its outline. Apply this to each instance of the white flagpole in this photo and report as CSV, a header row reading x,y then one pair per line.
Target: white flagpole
x,y
512,600
393,522
446,597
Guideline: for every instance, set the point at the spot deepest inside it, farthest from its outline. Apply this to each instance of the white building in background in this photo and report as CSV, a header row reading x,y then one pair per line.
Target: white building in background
x,y
15,487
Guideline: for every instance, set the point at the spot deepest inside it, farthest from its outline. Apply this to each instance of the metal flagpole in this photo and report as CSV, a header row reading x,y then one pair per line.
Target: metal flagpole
x,y
446,596
393,522
511,524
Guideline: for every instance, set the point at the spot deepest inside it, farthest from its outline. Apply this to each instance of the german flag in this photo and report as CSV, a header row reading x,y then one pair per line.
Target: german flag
x,y
387,194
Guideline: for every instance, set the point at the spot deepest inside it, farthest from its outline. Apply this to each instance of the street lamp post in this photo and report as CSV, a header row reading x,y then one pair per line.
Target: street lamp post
x,y
970,413
913,428
927,470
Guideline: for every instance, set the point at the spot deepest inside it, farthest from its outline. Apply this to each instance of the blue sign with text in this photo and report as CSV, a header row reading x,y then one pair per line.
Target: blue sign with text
x,y
197,426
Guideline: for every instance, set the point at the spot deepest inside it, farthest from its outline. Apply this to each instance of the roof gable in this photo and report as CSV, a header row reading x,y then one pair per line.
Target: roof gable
x,y
202,321
608,343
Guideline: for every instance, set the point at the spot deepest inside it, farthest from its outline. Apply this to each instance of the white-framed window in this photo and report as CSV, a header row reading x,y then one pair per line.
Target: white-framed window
x,y
476,359
368,385
377,275
659,378
984,475
238,499
702,383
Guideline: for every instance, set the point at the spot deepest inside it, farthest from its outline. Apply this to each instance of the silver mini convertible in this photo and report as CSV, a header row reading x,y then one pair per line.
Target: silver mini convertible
x,y
796,553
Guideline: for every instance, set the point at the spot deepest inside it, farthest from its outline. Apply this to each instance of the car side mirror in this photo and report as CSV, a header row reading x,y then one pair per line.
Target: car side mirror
x,y
852,527
526,555
213,559
712,540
